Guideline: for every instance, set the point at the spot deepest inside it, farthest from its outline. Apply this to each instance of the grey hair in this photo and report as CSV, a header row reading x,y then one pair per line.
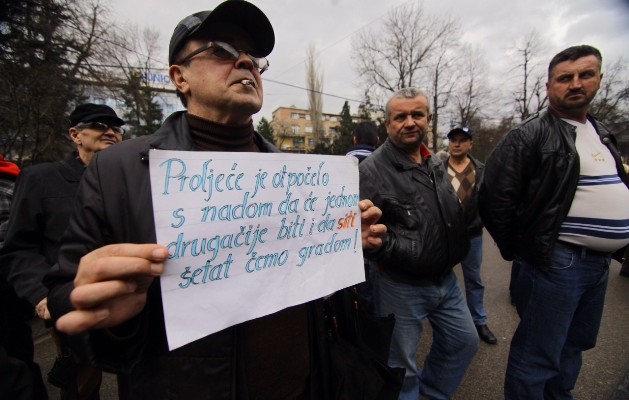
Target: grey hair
x,y
406,93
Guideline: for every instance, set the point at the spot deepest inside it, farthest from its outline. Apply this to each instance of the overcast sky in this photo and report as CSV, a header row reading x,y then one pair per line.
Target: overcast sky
x,y
492,25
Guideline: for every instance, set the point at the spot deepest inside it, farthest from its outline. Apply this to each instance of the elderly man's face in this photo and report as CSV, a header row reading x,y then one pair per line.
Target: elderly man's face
x,y
214,85
92,137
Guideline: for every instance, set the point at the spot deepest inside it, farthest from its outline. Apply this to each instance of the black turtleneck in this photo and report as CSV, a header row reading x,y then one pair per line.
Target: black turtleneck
x,y
212,136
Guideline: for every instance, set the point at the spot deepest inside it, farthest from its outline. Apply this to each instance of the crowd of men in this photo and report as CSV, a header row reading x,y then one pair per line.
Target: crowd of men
x,y
80,248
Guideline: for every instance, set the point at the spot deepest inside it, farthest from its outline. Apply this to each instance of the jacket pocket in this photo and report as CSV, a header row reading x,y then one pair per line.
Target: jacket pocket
x,y
404,216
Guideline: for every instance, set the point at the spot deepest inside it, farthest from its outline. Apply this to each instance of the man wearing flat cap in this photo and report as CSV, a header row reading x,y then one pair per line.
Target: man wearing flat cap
x,y
466,174
104,292
41,209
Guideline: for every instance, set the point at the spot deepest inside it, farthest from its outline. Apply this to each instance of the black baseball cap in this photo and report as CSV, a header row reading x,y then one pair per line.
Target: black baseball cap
x,y
237,12
90,112
461,129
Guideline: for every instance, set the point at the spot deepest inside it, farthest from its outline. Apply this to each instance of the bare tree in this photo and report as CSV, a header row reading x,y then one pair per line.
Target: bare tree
x,y
314,84
487,136
51,51
413,48
136,63
472,91
443,80
611,104
394,56
531,96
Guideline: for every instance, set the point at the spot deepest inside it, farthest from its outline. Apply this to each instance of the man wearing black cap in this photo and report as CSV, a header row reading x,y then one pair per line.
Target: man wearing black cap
x,y
466,174
40,212
104,291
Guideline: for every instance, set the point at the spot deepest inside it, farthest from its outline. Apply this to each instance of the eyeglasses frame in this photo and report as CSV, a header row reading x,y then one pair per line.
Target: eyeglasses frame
x,y
101,127
231,50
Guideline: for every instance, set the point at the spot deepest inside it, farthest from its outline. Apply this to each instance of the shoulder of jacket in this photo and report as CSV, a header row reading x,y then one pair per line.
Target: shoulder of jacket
x,y
41,169
123,152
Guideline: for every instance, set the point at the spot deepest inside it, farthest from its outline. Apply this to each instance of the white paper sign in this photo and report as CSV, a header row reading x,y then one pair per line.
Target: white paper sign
x,y
249,234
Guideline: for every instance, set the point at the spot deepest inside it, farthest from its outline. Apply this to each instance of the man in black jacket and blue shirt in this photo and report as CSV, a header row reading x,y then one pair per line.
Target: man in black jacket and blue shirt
x,y
466,174
554,197
426,237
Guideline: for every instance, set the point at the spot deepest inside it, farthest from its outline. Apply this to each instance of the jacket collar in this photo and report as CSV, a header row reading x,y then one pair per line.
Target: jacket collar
x,y
552,116
402,161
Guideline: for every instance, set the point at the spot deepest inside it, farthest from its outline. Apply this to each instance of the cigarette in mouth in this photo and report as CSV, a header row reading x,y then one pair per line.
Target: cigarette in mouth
x,y
246,82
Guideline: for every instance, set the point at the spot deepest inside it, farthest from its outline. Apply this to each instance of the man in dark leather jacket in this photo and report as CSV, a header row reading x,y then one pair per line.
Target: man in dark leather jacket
x,y
554,198
104,290
427,237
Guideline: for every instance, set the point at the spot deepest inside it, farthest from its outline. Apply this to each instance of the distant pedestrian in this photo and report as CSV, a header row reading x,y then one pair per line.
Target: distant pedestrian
x,y
555,197
365,140
466,175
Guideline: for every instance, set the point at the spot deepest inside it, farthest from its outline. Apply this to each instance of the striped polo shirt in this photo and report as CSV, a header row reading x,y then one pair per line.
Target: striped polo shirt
x,y
599,215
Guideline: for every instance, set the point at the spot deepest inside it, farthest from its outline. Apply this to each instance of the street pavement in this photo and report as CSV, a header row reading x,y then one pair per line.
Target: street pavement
x,y
605,371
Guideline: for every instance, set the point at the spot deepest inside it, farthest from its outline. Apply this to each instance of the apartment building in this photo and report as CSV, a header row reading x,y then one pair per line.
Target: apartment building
x,y
293,129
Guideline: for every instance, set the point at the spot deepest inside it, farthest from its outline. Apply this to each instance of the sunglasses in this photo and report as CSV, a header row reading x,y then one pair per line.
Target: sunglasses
x,y
226,51
100,127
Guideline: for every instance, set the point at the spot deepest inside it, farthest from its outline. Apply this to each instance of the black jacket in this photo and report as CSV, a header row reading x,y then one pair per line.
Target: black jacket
x,y
413,249
40,212
472,216
114,205
530,180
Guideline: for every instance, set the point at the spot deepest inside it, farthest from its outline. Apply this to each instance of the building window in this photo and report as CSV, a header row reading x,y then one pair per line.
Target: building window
x,y
334,119
295,128
308,129
307,117
294,115
332,130
298,142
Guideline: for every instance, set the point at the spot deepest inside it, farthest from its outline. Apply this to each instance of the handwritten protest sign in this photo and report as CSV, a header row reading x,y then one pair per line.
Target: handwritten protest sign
x,y
249,234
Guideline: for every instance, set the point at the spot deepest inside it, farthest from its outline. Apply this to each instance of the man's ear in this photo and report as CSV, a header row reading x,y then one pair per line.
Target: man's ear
x,y
74,135
176,73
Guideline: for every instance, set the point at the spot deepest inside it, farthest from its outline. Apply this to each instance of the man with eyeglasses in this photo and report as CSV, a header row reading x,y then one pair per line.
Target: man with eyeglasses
x,y
104,291
41,209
